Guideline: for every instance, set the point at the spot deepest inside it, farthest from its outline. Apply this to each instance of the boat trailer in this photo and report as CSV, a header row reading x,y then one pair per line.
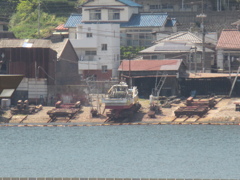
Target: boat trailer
x,y
64,110
119,115
191,111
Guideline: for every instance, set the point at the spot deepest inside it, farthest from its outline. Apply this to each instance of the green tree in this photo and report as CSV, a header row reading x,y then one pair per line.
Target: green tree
x,y
79,2
26,22
130,52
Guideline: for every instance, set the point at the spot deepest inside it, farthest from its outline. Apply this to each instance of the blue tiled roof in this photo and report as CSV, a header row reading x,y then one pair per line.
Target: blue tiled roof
x,y
73,20
130,3
146,20
137,20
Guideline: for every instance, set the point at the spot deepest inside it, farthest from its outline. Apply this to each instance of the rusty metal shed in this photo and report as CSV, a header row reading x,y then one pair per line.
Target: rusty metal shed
x,y
143,74
37,58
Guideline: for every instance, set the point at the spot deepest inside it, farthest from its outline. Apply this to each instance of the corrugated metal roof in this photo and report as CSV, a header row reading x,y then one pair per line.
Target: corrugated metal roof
x,y
59,46
182,37
210,75
174,47
146,20
130,3
6,93
150,65
187,37
10,81
229,39
137,20
34,43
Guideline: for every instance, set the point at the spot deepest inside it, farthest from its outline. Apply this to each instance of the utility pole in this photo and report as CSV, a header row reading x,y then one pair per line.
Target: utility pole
x,y
202,15
129,73
195,59
39,4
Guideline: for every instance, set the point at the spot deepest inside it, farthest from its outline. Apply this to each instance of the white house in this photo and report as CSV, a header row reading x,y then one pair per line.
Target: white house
x,y
137,29
228,51
98,49
104,25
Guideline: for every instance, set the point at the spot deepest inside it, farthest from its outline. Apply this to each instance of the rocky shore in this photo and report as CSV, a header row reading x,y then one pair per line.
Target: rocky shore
x,y
224,113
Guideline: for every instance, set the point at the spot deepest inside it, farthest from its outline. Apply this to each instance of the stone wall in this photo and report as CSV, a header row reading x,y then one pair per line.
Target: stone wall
x,y
214,22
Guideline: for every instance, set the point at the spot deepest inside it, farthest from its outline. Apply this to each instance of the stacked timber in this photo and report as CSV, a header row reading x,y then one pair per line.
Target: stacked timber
x,y
199,107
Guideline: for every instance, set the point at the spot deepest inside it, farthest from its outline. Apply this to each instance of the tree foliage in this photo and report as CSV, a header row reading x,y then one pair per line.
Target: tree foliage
x,y
130,52
29,20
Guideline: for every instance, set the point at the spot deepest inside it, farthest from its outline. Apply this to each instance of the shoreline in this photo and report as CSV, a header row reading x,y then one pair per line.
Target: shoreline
x,y
113,124
223,113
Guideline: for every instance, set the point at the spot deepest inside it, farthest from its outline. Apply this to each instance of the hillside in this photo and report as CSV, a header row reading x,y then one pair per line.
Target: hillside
x,y
57,7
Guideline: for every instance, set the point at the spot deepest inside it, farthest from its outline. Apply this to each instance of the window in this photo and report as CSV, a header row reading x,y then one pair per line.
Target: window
x,y
142,36
104,47
95,14
87,53
104,69
89,35
155,7
154,57
129,42
167,6
113,14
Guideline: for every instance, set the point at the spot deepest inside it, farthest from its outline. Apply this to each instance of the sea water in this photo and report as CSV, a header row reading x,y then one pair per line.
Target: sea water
x,y
127,151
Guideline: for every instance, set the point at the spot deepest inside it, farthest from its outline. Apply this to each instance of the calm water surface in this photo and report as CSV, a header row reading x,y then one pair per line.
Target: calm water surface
x,y
155,151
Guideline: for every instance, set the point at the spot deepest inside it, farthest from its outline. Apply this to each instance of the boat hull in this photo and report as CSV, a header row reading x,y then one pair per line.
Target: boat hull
x,y
118,106
118,103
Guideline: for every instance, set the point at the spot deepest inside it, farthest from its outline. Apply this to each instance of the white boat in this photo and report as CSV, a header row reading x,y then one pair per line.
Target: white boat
x,y
121,97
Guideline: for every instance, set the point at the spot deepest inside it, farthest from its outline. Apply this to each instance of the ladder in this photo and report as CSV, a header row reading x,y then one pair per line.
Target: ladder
x,y
234,82
159,84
